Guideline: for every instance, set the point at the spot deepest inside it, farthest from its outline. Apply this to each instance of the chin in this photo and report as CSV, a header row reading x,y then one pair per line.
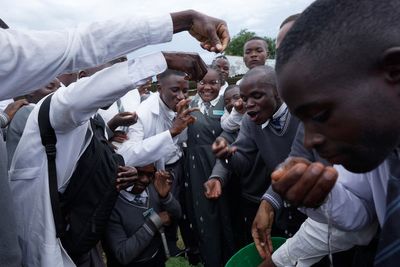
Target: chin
x,y
362,165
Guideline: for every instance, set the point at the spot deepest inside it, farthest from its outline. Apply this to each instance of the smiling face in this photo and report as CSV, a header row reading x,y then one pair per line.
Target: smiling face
x,y
259,96
208,88
173,89
255,53
349,118
145,177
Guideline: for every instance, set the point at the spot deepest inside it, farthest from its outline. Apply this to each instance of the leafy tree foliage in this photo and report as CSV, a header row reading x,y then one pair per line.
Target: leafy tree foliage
x,y
235,47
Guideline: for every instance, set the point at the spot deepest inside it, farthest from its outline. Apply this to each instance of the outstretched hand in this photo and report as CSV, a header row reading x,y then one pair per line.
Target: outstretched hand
x,y
221,148
190,63
303,183
162,183
212,33
183,118
261,229
122,119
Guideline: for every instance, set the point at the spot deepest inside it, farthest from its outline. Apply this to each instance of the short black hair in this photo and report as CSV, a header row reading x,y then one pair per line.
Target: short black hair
x,y
257,38
354,32
269,75
170,72
231,87
3,25
216,58
291,18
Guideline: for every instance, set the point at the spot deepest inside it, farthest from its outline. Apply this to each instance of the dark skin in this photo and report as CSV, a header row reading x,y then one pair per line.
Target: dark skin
x,y
174,92
126,177
211,32
255,53
261,101
208,88
38,94
13,107
222,66
359,142
162,182
122,119
189,63
232,99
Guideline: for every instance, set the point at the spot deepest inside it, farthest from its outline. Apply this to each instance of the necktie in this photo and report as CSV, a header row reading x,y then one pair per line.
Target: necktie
x,y
278,122
207,106
139,199
389,244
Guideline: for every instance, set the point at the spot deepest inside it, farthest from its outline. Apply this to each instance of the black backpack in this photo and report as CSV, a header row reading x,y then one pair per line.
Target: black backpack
x,y
81,213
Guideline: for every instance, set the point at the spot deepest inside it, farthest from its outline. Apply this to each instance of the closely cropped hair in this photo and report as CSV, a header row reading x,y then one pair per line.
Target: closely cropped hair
x,y
290,19
257,38
351,31
269,75
3,25
230,87
169,72
216,58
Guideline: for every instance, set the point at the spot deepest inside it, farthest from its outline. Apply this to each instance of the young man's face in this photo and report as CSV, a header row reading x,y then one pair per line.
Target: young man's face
x,y
223,68
208,87
255,53
231,97
173,89
348,120
145,177
260,99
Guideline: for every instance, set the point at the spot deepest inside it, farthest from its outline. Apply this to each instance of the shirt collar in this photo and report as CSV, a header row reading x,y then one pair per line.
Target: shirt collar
x,y
166,110
130,196
212,102
279,112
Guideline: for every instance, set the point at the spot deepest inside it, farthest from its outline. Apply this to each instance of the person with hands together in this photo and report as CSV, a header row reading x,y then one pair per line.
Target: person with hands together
x,y
132,237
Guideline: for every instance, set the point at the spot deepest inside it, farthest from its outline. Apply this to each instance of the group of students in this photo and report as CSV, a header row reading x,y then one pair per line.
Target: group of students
x,y
308,150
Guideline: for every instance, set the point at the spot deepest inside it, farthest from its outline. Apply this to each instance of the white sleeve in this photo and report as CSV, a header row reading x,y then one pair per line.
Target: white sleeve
x,y
30,59
74,105
140,151
231,122
351,195
310,243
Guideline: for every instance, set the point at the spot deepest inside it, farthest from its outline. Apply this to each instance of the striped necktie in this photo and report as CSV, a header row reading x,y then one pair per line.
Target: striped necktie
x,y
207,106
388,253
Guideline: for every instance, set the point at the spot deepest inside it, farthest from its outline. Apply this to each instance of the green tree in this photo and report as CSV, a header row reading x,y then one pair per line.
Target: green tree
x,y
235,47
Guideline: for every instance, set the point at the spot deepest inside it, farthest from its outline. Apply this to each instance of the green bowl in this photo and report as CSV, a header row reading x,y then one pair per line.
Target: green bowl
x,y
249,257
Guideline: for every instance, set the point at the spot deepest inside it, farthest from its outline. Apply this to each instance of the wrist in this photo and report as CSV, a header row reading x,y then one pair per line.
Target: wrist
x,y
182,21
4,119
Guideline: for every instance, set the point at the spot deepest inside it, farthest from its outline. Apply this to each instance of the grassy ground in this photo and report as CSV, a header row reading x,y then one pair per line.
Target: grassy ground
x,y
180,262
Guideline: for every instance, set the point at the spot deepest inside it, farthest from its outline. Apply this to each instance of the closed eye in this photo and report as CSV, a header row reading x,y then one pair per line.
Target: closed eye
x,y
321,116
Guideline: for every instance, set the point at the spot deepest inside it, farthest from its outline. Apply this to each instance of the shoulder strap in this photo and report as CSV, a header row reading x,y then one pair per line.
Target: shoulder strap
x,y
49,141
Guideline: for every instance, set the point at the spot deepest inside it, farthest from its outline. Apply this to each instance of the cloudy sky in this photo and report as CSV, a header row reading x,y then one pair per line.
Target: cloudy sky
x,y
260,16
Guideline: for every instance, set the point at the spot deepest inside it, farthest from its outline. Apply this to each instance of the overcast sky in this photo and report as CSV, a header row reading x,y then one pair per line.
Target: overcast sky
x,y
260,16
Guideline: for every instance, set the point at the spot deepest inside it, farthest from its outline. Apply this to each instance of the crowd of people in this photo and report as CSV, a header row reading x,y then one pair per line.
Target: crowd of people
x,y
100,168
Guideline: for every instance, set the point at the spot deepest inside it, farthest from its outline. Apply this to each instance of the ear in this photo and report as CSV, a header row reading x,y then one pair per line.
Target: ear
x,y
158,87
391,64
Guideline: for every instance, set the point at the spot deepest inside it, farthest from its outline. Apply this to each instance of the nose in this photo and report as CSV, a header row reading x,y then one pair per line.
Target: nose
x,y
312,139
180,95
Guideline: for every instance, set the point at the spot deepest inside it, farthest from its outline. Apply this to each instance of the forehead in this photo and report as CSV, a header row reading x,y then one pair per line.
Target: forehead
x,y
211,75
254,44
173,79
222,61
254,83
232,92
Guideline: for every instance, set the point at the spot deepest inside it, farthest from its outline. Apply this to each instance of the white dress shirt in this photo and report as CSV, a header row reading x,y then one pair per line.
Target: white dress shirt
x,y
70,110
31,59
149,139
230,122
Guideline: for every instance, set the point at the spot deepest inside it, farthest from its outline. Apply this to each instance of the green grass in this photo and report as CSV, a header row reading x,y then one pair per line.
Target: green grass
x,y
180,262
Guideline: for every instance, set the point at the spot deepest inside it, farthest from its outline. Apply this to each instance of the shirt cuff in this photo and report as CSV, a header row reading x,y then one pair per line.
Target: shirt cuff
x,y
141,68
156,220
273,198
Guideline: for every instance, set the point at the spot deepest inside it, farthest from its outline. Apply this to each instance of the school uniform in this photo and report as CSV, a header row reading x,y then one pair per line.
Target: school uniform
x,y
210,217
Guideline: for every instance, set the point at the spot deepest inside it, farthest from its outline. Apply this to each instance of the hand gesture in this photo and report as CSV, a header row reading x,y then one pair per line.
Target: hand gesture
x,y
190,63
212,33
122,119
303,183
119,137
126,177
221,148
183,117
239,106
13,107
212,188
261,229
162,183
267,263
165,218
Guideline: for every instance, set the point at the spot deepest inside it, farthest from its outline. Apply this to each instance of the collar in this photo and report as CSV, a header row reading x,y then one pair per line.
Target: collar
x,y
130,196
212,102
166,110
279,112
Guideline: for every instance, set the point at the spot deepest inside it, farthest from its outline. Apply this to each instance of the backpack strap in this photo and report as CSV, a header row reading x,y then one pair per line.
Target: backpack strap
x,y
49,141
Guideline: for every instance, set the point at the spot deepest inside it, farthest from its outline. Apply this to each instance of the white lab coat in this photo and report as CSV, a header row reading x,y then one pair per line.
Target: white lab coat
x,y
70,111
